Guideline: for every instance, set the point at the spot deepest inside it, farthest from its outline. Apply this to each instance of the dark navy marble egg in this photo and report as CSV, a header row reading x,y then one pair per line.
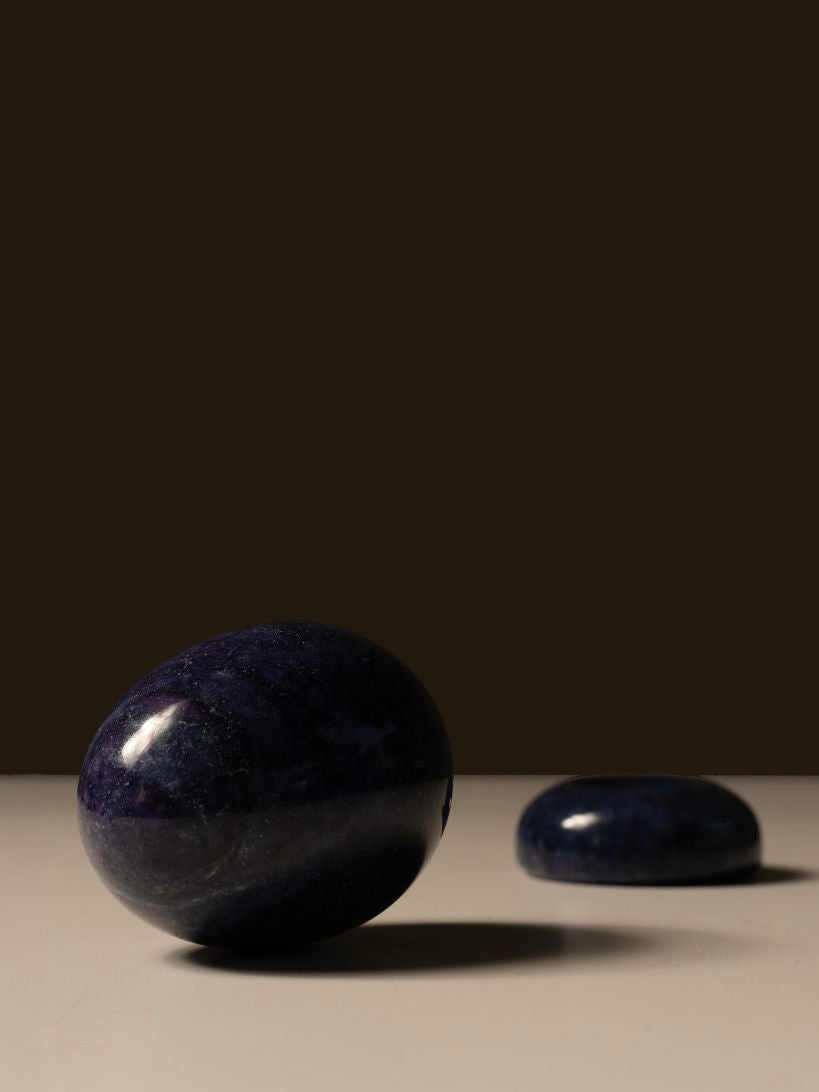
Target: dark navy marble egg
x,y
638,830
274,785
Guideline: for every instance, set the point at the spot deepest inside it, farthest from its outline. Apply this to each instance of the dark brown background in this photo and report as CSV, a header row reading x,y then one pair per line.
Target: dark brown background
x,y
588,572
515,392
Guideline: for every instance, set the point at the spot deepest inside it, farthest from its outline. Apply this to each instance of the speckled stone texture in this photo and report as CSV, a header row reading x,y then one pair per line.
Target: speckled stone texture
x,y
267,787
638,830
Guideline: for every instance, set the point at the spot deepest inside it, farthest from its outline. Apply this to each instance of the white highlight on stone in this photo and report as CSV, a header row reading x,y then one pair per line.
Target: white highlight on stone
x,y
148,733
580,821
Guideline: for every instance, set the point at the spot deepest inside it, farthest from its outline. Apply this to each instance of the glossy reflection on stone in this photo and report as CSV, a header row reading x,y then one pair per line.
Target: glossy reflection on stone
x,y
638,830
271,786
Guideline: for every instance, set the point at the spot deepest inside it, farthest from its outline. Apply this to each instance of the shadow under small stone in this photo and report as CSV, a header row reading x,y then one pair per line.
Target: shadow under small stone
x,y
761,874
758,875
776,874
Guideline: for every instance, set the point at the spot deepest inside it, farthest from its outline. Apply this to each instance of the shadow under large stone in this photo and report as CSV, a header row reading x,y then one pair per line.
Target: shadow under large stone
x,y
423,947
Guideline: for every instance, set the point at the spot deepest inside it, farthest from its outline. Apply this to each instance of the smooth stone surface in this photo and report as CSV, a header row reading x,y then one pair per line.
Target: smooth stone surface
x,y
638,830
270,786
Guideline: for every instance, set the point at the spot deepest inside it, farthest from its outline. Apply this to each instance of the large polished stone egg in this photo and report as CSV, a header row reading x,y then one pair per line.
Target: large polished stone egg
x,y
270,786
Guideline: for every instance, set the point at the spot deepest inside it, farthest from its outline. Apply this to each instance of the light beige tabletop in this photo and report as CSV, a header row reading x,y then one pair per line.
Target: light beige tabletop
x,y
478,978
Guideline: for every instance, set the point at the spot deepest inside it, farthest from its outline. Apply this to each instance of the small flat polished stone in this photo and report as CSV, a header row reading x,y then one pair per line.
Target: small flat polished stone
x,y
638,830
267,787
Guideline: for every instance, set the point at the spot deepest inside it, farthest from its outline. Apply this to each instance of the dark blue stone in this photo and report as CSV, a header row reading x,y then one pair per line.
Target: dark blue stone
x,y
274,785
638,830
